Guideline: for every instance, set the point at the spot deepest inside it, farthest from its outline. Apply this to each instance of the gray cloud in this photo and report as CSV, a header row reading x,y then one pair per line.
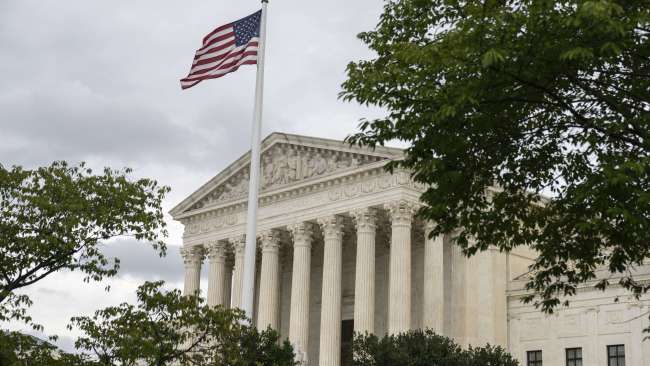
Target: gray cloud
x,y
140,261
99,80
64,121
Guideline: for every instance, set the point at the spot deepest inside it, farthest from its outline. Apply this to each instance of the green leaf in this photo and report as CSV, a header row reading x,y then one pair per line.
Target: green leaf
x,y
491,58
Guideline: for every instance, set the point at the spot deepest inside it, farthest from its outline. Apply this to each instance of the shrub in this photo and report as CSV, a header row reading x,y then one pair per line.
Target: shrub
x,y
423,348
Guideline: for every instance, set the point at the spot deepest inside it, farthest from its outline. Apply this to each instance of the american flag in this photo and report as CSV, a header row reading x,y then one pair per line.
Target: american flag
x,y
225,49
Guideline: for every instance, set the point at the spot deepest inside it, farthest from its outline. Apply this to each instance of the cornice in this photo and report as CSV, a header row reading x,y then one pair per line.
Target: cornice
x,y
518,293
335,194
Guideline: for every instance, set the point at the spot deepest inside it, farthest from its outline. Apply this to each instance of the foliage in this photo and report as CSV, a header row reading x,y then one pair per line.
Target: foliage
x,y
505,101
167,328
423,348
55,218
260,348
18,349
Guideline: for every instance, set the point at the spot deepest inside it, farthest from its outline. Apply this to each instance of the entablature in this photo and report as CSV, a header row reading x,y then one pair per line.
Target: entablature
x,y
365,187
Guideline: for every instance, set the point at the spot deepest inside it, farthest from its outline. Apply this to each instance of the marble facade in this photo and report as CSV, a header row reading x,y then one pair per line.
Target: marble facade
x,y
338,241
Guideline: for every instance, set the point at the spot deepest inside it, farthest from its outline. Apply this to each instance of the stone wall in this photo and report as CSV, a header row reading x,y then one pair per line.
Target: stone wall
x,y
592,321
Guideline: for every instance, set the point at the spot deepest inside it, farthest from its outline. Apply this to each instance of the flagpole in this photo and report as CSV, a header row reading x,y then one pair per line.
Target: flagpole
x,y
254,180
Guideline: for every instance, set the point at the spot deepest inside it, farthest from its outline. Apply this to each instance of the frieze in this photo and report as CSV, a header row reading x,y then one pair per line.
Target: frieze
x,y
291,205
204,226
381,183
284,164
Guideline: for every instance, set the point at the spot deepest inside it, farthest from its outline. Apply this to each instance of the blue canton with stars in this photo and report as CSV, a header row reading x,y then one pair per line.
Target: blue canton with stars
x,y
247,28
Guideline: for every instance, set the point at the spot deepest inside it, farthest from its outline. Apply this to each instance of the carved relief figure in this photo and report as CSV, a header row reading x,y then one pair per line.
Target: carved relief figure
x,y
284,164
267,171
280,169
235,188
332,165
293,163
319,164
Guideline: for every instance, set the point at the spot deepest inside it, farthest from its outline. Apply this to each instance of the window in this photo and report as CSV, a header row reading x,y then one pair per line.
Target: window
x,y
616,355
534,358
574,357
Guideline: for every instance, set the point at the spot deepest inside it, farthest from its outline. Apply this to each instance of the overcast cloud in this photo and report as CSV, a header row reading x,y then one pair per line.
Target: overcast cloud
x,y
97,81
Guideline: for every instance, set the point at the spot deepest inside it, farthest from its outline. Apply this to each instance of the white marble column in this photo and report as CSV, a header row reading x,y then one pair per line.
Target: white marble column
x,y
192,258
300,283
433,306
238,244
487,301
399,304
364,283
330,321
458,295
269,297
216,252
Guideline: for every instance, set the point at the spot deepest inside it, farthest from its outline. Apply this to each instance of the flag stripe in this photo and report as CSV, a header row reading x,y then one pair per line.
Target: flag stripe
x,y
190,84
217,32
198,64
221,50
199,69
225,53
222,66
215,48
198,60
226,69
223,37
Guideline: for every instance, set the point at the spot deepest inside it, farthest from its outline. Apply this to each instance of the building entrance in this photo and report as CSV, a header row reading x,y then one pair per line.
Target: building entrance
x,y
347,335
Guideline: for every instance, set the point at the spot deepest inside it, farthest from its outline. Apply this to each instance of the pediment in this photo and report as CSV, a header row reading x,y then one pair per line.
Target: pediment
x,y
286,160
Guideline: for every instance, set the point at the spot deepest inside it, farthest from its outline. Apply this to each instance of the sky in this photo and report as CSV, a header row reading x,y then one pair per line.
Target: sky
x,y
97,81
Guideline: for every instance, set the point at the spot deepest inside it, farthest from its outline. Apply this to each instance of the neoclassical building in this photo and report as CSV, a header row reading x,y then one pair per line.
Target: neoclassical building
x,y
340,251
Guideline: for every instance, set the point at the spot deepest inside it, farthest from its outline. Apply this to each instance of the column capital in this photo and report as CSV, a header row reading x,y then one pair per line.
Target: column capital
x,y
401,211
238,244
428,226
364,219
192,258
217,250
332,226
192,255
270,240
302,233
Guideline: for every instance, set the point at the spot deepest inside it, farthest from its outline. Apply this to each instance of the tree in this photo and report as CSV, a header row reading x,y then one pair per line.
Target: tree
x,y
505,102
423,348
17,349
166,328
54,218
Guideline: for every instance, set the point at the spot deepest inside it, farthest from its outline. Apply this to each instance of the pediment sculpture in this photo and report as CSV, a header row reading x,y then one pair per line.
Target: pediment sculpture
x,y
284,164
